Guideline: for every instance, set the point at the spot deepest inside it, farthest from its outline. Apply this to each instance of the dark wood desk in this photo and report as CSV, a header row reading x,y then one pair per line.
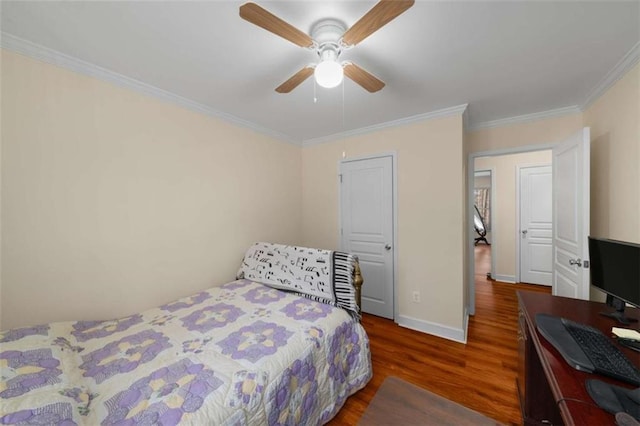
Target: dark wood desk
x,y
550,390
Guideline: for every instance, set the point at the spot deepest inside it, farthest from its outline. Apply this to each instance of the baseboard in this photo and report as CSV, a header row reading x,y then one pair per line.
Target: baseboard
x,y
505,278
444,331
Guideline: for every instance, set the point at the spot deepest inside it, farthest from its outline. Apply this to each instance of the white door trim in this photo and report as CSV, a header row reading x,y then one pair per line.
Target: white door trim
x,y
394,174
471,297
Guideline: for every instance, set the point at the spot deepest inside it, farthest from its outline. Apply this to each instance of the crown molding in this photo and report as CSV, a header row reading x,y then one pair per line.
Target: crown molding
x,y
446,112
627,62
465,120
45,54
526,118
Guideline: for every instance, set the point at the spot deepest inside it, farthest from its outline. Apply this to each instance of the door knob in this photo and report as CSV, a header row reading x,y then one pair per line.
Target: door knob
x,y
577,261
387,247
524,233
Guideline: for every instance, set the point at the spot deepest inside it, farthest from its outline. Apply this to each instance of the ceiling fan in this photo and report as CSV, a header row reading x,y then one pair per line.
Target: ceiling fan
x,y
329,38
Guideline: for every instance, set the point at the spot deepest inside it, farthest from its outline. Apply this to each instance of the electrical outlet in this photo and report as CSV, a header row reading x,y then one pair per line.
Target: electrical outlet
x,y
415,296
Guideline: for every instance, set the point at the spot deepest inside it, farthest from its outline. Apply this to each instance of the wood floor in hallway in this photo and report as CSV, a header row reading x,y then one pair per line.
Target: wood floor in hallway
x,y
480,375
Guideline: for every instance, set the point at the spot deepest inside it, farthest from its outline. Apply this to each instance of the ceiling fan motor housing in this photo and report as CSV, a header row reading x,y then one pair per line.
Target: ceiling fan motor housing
x,y
327,34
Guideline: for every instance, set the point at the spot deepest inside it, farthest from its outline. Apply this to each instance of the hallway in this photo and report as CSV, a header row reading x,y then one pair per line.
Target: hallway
x,y
482,254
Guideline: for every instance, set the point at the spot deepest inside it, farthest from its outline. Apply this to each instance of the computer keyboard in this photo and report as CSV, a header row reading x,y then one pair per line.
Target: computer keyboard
x,y
607,359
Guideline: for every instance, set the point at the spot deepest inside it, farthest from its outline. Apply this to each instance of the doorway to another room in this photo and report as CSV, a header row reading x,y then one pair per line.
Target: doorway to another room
x,y
569,224
518,183
501,259
482,201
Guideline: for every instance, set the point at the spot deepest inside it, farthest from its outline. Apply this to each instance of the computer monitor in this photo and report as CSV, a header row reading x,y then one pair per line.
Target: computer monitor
x,y
615,269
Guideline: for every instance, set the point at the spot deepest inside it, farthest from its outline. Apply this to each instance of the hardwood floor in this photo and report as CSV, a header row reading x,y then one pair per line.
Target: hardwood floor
x,y
480,375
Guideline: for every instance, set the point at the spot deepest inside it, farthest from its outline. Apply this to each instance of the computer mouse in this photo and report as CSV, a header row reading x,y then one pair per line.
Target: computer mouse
x,y
624,419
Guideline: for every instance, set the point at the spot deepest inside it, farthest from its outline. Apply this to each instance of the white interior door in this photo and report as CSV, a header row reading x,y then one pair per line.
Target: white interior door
x,y
366,200
536,258
571,174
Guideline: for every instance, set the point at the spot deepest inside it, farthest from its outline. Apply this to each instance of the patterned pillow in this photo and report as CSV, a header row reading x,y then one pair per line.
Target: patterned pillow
x,y
322,275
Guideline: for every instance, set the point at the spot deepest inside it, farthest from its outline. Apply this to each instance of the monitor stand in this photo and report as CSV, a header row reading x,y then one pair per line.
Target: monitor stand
x,y
618,315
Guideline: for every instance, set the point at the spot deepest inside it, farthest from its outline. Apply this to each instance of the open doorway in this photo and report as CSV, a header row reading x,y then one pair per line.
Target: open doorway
x,y
506,236
502,258
570,162
482,203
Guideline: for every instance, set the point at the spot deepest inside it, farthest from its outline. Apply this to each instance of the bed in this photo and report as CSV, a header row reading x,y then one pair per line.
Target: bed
x,y
244,353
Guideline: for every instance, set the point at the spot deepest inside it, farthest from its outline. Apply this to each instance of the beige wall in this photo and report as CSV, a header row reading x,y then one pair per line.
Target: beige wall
x,y
430,210
113,201
545,131
482,181
1,91
614,120
504,218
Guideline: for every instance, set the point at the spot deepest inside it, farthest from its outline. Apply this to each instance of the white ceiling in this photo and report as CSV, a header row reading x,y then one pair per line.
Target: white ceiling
x,y
503,58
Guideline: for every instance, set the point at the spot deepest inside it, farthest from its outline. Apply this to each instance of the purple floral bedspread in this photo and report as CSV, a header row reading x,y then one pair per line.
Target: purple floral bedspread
x,y
240,354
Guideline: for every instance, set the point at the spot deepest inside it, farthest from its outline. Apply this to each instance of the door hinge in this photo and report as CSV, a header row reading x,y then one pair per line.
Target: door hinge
x,y
341,231
340,177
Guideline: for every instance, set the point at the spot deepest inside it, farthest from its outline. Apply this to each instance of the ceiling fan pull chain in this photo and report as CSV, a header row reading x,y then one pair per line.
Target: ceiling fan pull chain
x,y
342,105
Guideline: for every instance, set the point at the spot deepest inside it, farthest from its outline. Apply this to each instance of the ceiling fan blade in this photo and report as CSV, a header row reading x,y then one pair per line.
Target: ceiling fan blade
x,y
261,17
365,79
295,80
380,15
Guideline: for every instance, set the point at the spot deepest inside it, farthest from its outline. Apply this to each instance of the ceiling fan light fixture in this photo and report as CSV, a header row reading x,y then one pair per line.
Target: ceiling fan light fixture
x,y
328,74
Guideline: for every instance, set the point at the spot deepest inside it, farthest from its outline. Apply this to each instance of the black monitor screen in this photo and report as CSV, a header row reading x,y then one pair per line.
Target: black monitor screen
x,y
615,268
